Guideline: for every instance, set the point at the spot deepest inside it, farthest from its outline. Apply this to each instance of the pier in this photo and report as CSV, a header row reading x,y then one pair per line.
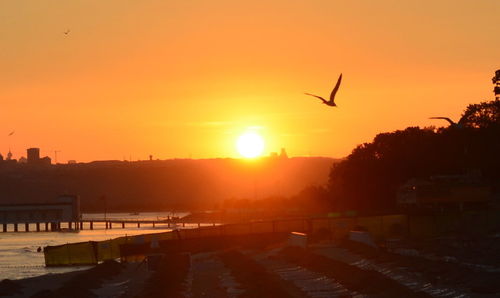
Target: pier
x,y
91,224
138,223
63,215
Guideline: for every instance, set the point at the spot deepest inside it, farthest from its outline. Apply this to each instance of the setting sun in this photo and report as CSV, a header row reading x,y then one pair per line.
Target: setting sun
x,y
250,145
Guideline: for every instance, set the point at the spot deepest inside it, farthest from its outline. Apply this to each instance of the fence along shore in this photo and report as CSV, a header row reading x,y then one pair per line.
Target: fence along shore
x,y
384,227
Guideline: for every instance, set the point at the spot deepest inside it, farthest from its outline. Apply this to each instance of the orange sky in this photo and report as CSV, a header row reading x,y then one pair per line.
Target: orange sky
x,y
184,78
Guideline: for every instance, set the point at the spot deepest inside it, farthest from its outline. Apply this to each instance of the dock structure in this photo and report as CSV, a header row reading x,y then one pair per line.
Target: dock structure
x,y
138,223
41,217
64,215
91,224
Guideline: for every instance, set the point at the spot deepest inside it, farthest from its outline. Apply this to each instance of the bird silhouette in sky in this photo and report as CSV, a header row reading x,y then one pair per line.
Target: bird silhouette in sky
x,y
66,32
452,123
330,102
11,133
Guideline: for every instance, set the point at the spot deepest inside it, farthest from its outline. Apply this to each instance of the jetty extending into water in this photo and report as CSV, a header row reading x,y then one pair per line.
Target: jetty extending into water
x,y
91,224
64,215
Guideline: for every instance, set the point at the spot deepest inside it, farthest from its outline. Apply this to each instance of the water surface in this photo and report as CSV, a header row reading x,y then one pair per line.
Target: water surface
x,y
18,251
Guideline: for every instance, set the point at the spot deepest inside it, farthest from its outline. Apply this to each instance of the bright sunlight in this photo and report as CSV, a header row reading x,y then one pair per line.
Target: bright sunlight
x,y
250,145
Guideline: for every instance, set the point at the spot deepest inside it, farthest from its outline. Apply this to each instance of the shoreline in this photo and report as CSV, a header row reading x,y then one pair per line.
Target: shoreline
x,y
28,286
105,279
248,266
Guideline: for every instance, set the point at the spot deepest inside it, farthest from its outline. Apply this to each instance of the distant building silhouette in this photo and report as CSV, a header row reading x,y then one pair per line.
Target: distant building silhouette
x,y
440,190
1,157
33,155
23,160
283,153
71,161
45,160
9,155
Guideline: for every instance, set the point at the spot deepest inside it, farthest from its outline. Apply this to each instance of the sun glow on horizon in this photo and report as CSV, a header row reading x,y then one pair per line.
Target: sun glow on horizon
x,y
186,79
250,145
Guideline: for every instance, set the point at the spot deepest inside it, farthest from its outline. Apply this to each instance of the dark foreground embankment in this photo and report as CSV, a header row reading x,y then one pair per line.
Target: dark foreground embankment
x,y
81,285
263,265
364,281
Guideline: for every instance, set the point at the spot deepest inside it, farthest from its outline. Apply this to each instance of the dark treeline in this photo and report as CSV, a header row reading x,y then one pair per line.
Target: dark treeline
x,y
181,184
369,177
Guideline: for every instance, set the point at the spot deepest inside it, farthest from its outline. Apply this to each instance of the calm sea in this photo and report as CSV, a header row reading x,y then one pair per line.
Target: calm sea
x,y
18,251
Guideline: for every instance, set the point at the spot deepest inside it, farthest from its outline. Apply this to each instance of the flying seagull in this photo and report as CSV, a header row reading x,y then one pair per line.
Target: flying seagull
x,y
330,102
11,133
66,32
452,123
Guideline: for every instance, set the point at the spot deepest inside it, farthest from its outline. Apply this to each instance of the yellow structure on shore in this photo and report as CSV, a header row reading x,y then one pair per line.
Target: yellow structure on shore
x,y
133,248
93,252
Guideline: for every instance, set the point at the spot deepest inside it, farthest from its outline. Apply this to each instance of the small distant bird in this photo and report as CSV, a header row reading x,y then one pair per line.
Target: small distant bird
x,y
11,133
330,102
66,32
452,123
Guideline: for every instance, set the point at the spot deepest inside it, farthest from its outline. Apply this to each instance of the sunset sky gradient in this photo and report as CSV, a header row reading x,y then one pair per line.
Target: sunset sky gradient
x,y
179,79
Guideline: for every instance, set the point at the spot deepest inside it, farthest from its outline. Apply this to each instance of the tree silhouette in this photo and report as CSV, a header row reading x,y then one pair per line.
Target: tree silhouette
x,y
369,177
496,83
482,115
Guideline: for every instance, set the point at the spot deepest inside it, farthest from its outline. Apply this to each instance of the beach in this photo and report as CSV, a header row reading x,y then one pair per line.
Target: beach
x,y
271,267
19,257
